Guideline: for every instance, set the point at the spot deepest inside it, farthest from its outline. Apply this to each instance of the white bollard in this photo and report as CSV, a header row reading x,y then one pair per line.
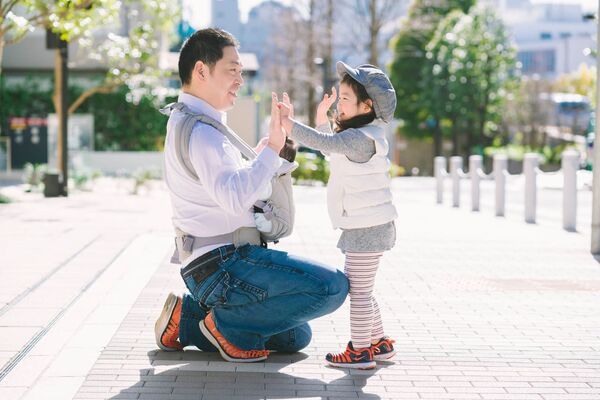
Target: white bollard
x,y
475,163
500,171
569,165
530,165
439,171
455,172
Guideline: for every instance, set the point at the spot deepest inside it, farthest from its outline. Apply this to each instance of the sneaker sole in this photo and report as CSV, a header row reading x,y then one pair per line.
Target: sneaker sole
x,y
206,332
163,322
384,357
366,365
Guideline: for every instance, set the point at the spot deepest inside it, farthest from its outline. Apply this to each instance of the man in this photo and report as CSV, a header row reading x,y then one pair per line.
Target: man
x,y
248,300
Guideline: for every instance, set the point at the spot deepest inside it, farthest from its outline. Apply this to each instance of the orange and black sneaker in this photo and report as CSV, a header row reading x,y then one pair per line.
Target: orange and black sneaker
x,y
383,349
359,359
228,350
166,329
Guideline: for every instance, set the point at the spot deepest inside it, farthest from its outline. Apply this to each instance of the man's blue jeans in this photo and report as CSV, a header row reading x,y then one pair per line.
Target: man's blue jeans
x,y
262,299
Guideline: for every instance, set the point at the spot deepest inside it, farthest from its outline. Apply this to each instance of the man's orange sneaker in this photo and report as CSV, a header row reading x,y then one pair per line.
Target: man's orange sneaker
x,y
166,329
229,351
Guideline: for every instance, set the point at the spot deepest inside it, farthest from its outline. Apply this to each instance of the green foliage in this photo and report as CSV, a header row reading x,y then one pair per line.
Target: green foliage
x,y
397,170
549,154
122,125
406,69
33,175
119,123
311,168
4,199
68,18
142,178
465,78
82,177
131,59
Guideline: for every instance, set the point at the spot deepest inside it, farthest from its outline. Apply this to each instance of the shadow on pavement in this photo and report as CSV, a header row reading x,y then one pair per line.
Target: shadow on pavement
x,y
195,374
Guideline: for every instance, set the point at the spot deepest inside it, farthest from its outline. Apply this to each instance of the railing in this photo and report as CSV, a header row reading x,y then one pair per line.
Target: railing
x,y
500,174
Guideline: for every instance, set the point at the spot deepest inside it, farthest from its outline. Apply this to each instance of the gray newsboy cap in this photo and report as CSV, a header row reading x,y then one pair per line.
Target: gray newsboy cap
x,y
378,86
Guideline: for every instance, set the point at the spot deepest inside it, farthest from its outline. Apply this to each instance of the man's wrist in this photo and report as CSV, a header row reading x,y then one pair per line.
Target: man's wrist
x,y
276,148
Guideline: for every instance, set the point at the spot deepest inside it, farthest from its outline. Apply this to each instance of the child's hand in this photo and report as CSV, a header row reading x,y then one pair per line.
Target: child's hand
x,y
286,100
327,102
286,112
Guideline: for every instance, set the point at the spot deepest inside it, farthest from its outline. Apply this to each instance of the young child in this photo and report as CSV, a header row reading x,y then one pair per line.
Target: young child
x,y
359,198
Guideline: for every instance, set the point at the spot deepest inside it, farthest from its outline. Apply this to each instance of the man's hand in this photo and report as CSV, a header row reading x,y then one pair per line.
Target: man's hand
x,y
277,136
324,106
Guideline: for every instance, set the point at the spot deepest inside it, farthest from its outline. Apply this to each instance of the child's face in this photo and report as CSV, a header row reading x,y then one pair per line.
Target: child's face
x,y
348,105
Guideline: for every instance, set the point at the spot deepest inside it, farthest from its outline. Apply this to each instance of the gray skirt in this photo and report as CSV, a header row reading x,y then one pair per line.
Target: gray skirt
x,y
374,239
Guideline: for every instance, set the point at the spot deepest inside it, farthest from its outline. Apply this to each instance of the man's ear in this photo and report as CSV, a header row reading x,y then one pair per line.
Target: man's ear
x,y
368,104
200,70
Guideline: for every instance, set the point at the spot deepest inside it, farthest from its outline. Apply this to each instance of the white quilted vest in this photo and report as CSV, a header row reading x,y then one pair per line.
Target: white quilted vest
x,y
358,194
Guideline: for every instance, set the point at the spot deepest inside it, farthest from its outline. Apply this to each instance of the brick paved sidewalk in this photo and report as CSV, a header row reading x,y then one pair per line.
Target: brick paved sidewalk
x,y
481,308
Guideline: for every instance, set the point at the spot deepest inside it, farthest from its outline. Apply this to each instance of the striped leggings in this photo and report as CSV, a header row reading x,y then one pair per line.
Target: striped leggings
x,y
365,320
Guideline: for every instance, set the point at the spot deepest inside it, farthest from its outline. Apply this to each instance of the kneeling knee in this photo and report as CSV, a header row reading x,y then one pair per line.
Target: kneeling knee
x,y
338,287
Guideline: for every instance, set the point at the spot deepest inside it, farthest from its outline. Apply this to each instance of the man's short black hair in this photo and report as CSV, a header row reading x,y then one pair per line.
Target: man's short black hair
x,y
205,45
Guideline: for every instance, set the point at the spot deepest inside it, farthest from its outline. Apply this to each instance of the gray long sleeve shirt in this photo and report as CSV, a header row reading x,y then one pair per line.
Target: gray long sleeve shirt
x,y
358,147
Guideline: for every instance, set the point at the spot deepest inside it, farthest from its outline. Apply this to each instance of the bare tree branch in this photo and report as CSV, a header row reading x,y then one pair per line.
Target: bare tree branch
x,y
4,10
90,92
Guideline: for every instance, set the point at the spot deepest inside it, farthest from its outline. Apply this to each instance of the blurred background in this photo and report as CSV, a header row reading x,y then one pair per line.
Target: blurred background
x,y
472,77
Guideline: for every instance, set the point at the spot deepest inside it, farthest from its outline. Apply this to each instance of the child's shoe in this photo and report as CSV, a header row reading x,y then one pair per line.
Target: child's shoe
x,y
383,349
359,359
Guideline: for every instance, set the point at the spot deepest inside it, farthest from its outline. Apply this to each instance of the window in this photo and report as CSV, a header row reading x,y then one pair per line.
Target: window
x,y
545,36
537,62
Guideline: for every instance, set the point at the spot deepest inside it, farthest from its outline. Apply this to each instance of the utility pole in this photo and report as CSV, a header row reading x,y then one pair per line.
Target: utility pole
x,y
595,248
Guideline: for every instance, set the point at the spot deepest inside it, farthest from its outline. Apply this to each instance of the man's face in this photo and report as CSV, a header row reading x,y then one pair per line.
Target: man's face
x,y
224,81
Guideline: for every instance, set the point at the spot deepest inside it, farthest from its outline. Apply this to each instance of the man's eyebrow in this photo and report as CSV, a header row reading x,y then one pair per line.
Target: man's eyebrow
x,y
236,63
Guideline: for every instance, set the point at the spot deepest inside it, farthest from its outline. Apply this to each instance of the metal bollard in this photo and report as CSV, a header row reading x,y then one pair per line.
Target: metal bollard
x,y
439,171
500,171
475,163
530,165
569,165
455,172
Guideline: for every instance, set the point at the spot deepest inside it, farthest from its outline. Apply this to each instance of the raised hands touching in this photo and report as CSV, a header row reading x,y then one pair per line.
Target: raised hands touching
x,y
286,112
277,136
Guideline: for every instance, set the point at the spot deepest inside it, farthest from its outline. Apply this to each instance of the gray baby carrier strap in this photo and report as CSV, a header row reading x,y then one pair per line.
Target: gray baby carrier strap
x,y
279,208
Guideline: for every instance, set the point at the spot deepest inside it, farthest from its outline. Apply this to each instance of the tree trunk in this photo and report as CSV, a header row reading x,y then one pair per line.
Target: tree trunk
x,y
310,66
455,141
470,142
373,33
481,128
437,139
1,51
57,106
328,56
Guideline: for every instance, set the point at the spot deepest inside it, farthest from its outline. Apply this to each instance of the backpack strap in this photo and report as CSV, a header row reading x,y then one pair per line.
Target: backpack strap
x,y
183,133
